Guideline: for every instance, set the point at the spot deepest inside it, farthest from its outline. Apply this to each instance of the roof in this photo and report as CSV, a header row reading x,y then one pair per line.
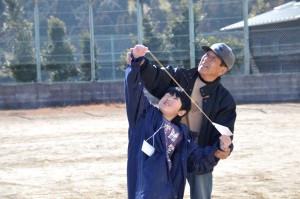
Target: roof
x,y
286,12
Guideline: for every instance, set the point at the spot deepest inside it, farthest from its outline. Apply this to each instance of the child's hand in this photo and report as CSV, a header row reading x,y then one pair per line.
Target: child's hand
x,y
139,51
225,141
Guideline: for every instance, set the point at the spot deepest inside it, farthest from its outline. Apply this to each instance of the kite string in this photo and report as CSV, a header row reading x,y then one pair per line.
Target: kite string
x,y
178,85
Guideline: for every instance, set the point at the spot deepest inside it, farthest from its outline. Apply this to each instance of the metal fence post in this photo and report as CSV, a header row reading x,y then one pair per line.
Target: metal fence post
x,y
37,41
140,21
113,59
246,38
92,40
192,34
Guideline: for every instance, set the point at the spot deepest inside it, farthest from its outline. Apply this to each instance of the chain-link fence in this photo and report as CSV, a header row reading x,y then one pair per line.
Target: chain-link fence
x,y
87,40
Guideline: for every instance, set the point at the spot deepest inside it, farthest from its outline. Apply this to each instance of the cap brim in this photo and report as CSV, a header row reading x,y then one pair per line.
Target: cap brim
x,y
206,48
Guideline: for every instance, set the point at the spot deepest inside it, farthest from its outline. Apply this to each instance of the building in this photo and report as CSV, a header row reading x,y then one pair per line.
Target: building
x,y
274,39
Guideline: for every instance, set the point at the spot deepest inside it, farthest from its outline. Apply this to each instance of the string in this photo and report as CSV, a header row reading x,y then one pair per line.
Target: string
x,y
178,85
161,126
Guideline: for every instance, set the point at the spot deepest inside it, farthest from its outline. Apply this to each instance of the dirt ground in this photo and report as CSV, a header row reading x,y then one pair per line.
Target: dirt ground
x,y
80,152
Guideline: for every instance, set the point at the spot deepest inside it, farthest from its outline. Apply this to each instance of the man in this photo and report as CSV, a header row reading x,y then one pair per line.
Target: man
x,y
203,84
160,148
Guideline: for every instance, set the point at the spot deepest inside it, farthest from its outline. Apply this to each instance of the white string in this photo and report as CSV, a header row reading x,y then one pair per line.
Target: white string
x,y
178,85
161,126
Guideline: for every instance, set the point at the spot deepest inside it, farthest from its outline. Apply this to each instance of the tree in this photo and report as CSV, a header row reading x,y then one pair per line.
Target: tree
x,y
259,8
86,57
21,65
151,37
58,56
111,16
177,34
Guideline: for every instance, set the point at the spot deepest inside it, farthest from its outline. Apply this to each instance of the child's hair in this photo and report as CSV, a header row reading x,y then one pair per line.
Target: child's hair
x,y
185,100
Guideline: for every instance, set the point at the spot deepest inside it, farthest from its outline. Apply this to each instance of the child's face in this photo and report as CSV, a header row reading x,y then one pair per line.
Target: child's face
x,y
170,106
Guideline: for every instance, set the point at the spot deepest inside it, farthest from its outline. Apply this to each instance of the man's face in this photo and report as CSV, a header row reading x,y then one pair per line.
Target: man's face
x,y
169,105
210,66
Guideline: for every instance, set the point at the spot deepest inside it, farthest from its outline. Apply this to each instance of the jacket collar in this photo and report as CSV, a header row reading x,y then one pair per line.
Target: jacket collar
x,y
192,74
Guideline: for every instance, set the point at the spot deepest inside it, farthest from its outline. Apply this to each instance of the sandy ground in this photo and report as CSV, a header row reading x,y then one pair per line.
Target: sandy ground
x,y
80,152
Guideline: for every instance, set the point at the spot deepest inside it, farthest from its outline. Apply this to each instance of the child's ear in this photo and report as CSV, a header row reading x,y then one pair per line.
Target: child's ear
x,y
181,113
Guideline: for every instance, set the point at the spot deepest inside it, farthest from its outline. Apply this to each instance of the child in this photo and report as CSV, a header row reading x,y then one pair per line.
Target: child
x,y
160,150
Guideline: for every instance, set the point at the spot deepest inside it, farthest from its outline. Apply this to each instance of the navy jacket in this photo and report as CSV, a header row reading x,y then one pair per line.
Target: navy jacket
x,y
149,177
218,103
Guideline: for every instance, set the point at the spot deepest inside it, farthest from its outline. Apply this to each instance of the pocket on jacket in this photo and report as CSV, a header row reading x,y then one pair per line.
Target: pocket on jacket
x,y
155,170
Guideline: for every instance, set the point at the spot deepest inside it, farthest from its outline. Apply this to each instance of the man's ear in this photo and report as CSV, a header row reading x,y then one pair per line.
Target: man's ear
x,y
223,70
181,113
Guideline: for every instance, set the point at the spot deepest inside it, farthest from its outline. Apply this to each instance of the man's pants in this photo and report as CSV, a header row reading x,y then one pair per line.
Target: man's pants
x,y
200,185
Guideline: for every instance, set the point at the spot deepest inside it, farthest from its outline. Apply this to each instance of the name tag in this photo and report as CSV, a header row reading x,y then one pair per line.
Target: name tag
x,y
147,148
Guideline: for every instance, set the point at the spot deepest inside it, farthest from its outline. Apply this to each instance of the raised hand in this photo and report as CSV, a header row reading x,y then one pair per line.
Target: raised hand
x,y
139,51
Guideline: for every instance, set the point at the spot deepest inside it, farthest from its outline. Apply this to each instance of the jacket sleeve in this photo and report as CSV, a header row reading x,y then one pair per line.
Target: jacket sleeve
x,y
136,101
202,160
156,80
227,114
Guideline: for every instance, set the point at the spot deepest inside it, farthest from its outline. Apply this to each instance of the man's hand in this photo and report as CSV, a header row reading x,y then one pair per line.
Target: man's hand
x,y
225,141
139,51
222,154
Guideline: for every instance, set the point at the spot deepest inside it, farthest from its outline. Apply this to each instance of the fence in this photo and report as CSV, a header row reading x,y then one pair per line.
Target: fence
x,y
86,40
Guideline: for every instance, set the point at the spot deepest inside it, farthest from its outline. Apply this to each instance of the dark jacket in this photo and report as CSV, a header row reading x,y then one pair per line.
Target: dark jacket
x,y
218,103
149,177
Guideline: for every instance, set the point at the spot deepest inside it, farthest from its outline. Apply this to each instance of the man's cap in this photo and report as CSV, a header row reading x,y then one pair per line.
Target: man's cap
x,y
223,51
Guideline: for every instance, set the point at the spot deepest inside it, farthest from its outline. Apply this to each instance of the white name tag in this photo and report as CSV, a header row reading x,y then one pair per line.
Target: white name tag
x,y
147,148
